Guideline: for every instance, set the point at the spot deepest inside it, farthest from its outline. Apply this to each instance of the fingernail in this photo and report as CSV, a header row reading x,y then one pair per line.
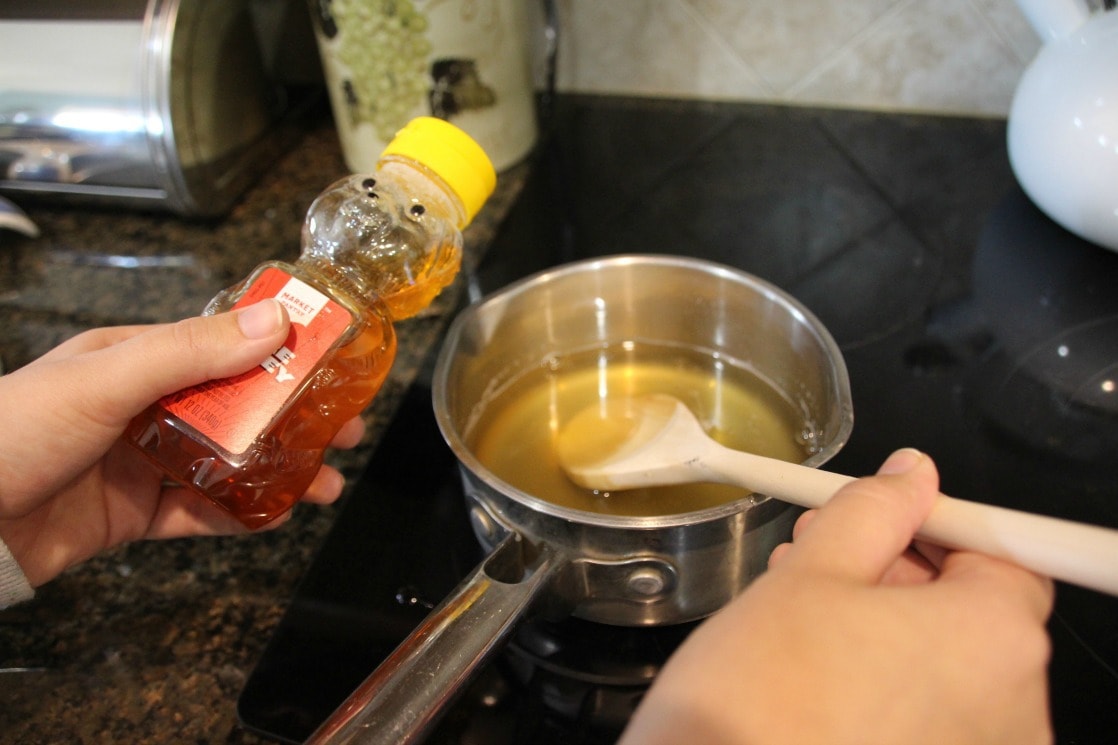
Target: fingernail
x,y
902,461
261,319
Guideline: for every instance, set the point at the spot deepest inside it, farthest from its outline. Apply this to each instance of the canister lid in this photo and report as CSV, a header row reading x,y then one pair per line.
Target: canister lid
x,y
450,153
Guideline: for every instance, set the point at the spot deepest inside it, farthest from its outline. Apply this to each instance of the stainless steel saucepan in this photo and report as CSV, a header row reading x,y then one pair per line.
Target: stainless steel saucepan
x,y
544,558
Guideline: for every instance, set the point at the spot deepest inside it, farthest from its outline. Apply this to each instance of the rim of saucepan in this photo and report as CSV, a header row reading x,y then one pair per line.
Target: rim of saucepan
x,y
466,457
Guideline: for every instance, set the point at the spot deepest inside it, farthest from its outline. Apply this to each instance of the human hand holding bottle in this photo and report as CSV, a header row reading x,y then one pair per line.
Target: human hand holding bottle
x,y
69,486
854,637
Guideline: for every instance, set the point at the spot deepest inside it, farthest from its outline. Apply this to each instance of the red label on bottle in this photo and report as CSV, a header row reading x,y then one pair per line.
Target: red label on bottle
x,y
235,411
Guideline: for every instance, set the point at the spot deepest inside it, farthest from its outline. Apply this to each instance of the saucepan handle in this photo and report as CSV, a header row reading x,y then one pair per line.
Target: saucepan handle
x,y
401,701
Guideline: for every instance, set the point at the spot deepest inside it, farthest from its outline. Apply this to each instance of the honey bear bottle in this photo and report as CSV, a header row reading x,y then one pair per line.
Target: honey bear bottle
x,y
375,249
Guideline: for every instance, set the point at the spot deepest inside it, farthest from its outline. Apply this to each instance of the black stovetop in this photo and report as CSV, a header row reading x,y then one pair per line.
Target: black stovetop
x,y
972,326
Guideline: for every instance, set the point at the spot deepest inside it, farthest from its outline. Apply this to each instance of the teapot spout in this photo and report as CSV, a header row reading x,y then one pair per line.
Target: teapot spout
x,y
1054,19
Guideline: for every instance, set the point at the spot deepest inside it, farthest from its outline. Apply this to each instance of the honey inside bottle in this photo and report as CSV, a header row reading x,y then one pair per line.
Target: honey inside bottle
x,y
376,249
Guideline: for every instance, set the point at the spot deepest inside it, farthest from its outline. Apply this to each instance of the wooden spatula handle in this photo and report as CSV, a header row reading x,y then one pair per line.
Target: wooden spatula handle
x,y
1082,554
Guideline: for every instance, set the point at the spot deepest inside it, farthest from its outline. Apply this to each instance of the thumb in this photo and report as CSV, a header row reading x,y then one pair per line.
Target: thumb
x,y
168,358
869,523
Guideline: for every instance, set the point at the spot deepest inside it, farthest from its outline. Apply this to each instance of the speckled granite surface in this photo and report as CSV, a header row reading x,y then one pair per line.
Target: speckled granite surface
x,y
153,641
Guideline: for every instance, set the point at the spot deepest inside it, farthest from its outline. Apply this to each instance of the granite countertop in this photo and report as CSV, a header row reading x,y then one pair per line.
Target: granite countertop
x,y
153,641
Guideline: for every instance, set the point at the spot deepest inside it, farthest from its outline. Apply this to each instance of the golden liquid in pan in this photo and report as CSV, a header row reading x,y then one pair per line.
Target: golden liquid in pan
x,y
515,436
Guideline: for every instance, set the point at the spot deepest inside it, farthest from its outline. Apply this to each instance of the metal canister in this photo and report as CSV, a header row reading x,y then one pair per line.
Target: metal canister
x,y
172,105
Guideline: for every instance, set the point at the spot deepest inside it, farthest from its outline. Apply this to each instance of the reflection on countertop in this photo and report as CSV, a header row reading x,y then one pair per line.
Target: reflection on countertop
x,y
152,642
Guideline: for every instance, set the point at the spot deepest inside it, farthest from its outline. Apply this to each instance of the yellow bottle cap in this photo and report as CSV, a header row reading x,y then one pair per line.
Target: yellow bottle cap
x,y
450,153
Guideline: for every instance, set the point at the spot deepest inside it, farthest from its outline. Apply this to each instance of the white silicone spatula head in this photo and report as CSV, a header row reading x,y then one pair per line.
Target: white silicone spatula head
x,y
629,443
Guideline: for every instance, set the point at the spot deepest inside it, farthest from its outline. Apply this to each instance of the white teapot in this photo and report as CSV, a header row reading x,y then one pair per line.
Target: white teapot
x,y
1063,124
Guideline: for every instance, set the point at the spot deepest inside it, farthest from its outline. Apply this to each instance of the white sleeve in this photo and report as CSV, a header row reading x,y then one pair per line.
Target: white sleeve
x,y
14,587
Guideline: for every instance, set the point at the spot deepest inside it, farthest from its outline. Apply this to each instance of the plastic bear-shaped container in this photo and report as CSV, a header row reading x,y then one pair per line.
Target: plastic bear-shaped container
x,y
376,248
